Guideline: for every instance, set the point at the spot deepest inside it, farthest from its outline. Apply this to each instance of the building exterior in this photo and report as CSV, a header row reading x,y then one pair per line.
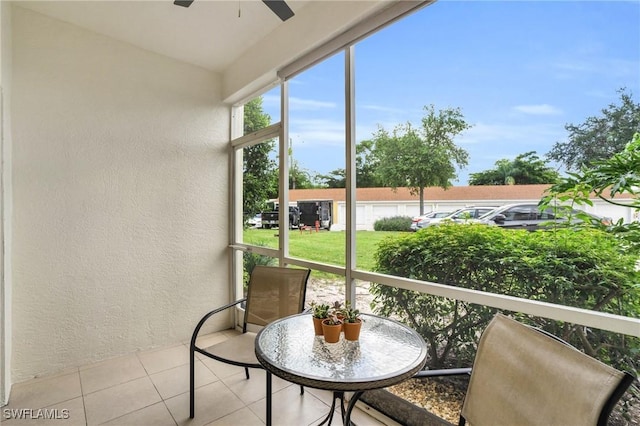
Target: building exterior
x,y
377,203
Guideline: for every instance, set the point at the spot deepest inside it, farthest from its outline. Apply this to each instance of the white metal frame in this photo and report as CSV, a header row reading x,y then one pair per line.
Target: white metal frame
x,y
600,320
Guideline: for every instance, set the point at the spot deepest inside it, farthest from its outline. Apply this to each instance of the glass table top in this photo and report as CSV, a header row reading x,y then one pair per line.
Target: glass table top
x,y
386,353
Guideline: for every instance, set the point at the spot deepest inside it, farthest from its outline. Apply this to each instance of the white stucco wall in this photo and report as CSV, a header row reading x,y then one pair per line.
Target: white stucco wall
x,y
5,203
120,196
368,212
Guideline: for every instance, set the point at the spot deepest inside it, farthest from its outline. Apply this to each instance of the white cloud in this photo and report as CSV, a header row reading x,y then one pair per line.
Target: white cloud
x,y
317,132
512,134
298,104
541,109
604,66
309,104
271,100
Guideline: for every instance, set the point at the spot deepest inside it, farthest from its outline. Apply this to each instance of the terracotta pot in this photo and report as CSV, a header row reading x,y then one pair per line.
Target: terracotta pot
x,y
352,330
317,326
331,332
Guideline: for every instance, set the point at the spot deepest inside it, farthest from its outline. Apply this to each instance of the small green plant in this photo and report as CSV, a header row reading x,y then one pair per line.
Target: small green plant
x,y
334,314
350,314
396,223
332,318
320,310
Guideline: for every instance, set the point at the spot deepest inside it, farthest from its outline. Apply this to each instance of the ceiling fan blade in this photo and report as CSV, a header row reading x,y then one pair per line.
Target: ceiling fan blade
x,y
183,3
280,8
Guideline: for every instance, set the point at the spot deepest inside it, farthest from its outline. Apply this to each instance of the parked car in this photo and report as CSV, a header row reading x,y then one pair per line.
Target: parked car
x,y
458,216
270,219
427,216
529,216
255,221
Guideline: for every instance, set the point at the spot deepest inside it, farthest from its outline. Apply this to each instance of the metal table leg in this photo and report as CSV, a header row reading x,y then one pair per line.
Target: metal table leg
x,y
346,414
269,398
352,403
329,418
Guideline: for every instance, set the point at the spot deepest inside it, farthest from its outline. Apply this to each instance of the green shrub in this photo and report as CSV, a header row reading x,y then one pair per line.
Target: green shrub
x,y
585,269
251,260
396,223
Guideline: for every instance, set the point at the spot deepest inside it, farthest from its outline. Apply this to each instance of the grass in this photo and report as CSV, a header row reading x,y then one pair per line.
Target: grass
x,y
324,246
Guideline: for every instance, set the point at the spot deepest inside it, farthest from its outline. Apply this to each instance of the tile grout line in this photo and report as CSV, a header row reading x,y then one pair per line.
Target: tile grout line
x,y
84,406
164,402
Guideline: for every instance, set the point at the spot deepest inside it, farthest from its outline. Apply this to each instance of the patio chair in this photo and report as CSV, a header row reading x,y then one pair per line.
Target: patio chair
x,y
273,293
524,376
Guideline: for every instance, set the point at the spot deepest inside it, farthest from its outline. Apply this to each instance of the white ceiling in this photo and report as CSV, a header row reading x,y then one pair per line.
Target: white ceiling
x,y
209,33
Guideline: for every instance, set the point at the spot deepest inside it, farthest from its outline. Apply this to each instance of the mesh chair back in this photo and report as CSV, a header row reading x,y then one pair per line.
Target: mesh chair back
x,y
274,293
522,377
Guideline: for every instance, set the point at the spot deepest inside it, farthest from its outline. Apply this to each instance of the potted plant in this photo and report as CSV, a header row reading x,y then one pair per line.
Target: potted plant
x,y
319,312
337,309
331,327
352,322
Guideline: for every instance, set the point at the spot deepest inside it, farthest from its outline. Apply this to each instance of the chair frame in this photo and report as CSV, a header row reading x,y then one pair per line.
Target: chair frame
x,y
607,408
193,348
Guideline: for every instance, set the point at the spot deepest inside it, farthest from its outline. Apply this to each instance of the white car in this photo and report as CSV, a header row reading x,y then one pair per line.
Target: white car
x,y
427,217
256,221
458,216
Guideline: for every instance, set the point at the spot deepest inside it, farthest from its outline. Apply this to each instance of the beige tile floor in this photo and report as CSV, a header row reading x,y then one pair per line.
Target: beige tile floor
x,y
152,388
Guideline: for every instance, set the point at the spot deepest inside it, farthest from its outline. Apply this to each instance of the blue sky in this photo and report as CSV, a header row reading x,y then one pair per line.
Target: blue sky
x,y
518,70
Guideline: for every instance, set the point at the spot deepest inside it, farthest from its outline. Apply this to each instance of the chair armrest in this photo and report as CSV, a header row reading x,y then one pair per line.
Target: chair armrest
x,y
209,315
440,373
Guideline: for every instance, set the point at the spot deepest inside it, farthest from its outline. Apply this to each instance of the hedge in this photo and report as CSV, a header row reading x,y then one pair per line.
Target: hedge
x,y
586,268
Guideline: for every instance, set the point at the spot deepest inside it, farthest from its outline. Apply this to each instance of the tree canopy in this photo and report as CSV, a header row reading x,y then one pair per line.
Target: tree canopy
x,y
599,137
260,178
607,179
421,157
525,169
299,178
366,165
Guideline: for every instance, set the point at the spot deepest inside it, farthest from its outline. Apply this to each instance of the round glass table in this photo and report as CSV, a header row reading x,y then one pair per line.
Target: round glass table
x,y
387,353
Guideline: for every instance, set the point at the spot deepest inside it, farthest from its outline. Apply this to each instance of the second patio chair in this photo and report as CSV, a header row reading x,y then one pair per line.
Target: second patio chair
x,y
524,376
273,293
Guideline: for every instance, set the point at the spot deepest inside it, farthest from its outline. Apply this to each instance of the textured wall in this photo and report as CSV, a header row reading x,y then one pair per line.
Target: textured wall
x,y
120,196
5,202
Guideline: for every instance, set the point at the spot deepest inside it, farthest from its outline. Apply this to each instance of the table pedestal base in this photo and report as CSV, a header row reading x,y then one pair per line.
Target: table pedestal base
x,y
346,414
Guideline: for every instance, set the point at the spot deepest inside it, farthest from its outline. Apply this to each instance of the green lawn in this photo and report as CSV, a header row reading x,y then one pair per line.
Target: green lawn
x,y
324,246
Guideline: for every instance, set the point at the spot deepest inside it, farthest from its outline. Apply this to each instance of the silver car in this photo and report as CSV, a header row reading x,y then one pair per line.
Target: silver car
x,y
426,217
529,216
458,216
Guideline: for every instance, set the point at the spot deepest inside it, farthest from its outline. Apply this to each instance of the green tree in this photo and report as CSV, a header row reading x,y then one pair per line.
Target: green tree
x,y
598,138
299,178
260,178
366,164
333,179
607,179
525,169
419,158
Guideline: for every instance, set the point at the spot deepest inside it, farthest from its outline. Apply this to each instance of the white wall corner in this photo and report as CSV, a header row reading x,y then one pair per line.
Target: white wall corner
x,y
120,197
6,205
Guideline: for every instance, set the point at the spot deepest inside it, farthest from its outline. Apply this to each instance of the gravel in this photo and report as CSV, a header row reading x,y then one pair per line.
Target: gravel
x,y
439,398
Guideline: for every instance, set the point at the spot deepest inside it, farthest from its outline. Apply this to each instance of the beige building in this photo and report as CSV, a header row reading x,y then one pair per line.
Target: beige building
x,y
376,203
